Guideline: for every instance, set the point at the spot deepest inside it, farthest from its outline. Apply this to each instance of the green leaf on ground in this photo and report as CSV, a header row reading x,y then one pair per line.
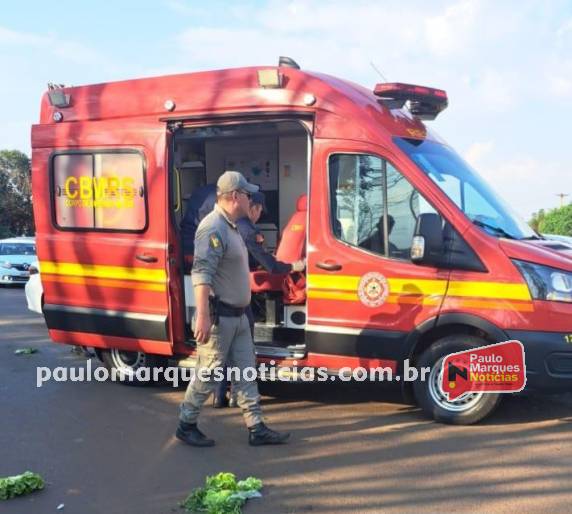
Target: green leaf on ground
x,y
222,494
26,351
18,485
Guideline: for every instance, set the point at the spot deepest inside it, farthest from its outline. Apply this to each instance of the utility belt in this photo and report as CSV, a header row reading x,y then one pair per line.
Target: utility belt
x,y
219,308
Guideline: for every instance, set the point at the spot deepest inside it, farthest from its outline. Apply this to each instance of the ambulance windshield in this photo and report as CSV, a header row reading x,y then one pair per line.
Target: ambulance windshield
x,y
466,188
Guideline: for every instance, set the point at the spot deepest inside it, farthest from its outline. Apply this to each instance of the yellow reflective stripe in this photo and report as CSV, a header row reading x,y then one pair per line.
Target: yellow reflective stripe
x,y
104,282
421,286
332,295
405,299
408,286
396,285
353,297
496,304
339,282
489,290
428,300
100,271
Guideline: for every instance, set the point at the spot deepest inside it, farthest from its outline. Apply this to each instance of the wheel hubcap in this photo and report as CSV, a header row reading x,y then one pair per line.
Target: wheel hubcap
x,y
127,362
462,404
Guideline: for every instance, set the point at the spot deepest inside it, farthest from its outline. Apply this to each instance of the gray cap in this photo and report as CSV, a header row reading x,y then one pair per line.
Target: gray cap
x,y
231,181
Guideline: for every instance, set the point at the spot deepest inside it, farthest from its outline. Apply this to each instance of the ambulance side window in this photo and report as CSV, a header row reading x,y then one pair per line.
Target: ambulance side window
x,y
404,204
356,183
365,191
99,191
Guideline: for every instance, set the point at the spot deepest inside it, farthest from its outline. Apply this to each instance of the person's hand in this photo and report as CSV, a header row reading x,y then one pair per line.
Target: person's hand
x,y
299,265
202,328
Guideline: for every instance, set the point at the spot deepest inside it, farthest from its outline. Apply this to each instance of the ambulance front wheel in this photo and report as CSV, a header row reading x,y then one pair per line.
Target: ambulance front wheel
x,y
132,368
470,408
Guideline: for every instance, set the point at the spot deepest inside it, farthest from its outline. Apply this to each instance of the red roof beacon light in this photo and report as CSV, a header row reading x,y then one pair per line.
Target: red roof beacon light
x,y
424,103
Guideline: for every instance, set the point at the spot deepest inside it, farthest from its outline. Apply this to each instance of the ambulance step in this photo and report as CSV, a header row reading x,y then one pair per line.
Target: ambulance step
x,y
278,334
268,350
275,351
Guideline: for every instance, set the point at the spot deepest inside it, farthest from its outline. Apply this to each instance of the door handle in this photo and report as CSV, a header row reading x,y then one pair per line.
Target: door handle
x,y
329,265
145,257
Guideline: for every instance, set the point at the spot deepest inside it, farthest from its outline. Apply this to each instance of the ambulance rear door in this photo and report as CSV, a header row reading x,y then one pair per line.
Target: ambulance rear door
x,y
100,204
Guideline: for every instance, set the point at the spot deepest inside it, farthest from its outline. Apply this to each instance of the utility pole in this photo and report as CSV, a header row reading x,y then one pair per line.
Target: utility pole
x,y
562,196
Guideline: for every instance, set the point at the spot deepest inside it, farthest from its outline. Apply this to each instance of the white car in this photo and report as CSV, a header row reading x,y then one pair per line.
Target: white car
x,y
34,289
16,255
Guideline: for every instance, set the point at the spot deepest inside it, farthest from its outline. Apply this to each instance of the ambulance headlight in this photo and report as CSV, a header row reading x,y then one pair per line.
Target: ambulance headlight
x,y
6,264
546,283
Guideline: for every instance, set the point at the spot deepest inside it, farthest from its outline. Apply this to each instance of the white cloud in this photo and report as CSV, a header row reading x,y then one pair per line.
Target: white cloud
x,y
497,91
558,76
449,33
71,51
560,86
564,29
13,37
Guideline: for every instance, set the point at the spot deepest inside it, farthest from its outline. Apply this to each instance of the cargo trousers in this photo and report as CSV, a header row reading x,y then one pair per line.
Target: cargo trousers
x,y
230,343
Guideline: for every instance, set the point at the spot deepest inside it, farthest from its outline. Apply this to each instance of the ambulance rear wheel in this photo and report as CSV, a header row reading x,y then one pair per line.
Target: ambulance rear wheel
x,y
130,366
470,408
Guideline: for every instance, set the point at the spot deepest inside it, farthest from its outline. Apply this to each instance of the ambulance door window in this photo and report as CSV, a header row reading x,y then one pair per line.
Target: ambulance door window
x,y
357,205
71,179
404,204
99,191
119,191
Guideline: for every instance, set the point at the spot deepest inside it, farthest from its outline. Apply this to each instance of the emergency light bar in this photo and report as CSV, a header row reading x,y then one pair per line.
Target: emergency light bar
x,y
423,102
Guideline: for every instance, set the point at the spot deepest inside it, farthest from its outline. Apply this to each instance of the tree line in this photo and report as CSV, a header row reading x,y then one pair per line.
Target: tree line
x,y
555,221
16,218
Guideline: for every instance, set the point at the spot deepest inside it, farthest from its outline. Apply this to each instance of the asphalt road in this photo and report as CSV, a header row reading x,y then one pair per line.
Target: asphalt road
x,y
108,448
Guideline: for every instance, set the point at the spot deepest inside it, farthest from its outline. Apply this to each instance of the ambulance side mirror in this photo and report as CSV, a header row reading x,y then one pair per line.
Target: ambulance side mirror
x,y
427,244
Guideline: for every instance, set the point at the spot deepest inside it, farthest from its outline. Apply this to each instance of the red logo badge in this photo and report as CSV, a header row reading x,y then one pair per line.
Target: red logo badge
x,y
496,368
373,289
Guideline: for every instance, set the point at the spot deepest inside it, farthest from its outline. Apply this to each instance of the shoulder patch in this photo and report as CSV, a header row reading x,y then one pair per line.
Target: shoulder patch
x,y
215,241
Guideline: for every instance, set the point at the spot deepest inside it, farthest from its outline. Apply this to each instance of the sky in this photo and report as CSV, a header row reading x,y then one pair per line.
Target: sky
x,y
506,65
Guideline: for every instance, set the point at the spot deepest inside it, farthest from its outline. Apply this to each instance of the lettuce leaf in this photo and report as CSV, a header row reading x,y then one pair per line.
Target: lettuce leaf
x,y
222,494
19,485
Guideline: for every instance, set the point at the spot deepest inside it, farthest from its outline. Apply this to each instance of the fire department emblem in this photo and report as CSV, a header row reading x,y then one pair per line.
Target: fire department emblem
x,y
373,289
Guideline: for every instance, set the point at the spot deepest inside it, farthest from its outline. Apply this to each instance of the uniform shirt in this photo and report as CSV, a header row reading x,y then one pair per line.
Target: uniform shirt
x,y
200,203
221,259
255,244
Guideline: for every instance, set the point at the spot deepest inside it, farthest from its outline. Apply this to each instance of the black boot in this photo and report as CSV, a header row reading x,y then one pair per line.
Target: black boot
x,y
260,434
189,433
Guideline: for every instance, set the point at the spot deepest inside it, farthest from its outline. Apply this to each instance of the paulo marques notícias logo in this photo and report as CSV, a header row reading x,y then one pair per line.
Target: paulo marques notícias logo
x,y
495,368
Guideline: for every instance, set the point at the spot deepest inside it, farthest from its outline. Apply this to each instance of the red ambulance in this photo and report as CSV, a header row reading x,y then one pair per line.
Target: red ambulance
x,y
410,254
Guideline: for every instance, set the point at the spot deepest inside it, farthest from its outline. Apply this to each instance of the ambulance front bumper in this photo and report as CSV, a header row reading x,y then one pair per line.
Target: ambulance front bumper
x,y
548,357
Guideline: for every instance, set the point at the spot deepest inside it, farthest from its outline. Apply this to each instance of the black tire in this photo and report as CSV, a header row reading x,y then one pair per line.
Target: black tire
x,y
464,411
126,364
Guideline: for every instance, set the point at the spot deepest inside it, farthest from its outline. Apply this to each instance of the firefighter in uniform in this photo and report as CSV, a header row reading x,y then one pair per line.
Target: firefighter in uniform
x,y
259,256
221,282
254,240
